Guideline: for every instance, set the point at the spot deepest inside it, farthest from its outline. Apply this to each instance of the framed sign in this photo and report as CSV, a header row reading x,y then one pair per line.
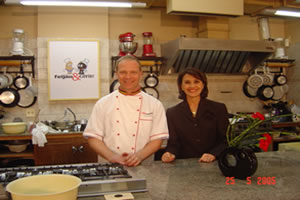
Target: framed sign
x,y
73,69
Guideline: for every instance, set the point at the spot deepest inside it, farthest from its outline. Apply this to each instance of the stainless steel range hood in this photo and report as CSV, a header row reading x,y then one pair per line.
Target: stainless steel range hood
x,y
214,56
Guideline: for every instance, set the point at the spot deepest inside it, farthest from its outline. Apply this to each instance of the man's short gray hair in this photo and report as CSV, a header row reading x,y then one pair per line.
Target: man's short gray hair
x,y
128,57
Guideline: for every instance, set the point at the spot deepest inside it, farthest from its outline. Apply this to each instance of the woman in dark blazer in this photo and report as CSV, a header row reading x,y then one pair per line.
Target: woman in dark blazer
x,y
197,126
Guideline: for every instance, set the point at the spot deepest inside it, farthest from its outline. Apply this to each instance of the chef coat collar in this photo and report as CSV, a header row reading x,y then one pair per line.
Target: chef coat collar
x,y
131,94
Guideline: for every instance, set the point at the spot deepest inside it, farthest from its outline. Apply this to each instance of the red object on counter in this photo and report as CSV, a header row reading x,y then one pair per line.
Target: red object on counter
x,y
148,45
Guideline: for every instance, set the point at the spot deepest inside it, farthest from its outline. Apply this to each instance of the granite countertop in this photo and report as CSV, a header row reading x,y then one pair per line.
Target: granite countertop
x,y
188,179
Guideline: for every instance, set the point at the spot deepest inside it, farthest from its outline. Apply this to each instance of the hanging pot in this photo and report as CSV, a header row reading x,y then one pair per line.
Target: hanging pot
x,y
279,91
255,80
267,77
280,79
114,86
265,92
249,91
151,79
27,96
151,91
238,163
21,81
9,97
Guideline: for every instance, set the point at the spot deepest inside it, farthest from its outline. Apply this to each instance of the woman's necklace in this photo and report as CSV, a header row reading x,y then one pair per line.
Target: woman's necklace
x,y
194,113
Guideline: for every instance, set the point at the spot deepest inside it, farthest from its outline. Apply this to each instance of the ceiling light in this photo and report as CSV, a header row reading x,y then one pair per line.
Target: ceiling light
x,y
287,13
82,3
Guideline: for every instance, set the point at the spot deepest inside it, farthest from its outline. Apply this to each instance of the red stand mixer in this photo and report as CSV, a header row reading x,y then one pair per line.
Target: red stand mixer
x,y
148,45
127,46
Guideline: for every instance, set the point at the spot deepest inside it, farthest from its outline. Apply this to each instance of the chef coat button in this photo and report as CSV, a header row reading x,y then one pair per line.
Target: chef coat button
x,y
138,110
135,122
118,134
117,96
133,135
118,147
118,108
132,148
117,121
140,98
195,124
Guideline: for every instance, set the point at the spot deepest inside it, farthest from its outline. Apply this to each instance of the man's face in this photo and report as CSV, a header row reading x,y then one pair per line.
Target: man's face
x,y
129,75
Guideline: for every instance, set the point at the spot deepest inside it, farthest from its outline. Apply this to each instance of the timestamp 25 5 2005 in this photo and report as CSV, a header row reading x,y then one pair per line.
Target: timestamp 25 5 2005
x,y
260,180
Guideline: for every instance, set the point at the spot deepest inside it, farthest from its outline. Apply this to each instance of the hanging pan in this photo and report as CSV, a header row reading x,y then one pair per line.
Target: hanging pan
x,y
151,79
151,91
265,92
27,96
280,79
267,77
9,97
21,81
255,80
114,86
249,91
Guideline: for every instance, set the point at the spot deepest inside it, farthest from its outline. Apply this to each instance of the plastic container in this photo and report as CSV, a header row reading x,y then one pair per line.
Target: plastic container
x,y
45,187
14,127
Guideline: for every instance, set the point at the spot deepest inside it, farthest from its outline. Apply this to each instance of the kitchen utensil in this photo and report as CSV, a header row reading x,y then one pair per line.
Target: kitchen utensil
x,y
265,92
17,148
148,45
21,81
267,77
114,85
280,79
151,79
33,125
45,187
249,91
279,92
151,91
3,81
27,96
14,127
9,77
9,97
255,80
127,46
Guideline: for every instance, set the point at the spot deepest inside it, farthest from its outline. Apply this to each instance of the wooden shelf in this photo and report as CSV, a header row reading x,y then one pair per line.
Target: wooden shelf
x,y
25,154
285,124
279,62
17,61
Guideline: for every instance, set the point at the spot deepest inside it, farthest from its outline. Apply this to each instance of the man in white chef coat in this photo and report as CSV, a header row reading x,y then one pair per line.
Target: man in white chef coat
x,y
128,125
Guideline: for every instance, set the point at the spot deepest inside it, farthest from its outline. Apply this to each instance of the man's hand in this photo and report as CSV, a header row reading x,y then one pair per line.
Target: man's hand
x,y
117,159
168,157
131,160
207,157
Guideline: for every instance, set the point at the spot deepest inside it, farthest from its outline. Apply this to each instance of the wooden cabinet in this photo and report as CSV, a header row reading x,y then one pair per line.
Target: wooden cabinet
x,y
71,148
60,149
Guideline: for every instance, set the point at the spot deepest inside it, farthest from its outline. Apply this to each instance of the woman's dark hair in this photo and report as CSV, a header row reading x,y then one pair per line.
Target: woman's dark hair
x,y
198,75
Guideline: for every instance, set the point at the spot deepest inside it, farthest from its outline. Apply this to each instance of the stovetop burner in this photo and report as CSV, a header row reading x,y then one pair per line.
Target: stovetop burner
x,y
86,172
97,179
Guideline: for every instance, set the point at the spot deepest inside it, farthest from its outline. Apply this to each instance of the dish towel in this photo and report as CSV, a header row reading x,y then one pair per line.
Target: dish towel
x,y
39,134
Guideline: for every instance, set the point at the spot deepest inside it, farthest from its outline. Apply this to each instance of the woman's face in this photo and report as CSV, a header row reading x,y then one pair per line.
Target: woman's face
x,y
191,86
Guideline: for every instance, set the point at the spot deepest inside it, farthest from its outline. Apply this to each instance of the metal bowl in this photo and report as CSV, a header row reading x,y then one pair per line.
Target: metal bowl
x,y
128,47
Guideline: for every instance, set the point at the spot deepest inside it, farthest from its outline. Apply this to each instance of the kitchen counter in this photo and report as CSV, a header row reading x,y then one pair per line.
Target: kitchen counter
x,y
188,179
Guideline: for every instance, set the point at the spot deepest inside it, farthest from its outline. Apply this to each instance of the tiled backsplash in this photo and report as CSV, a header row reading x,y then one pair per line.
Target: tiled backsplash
x,y
223,88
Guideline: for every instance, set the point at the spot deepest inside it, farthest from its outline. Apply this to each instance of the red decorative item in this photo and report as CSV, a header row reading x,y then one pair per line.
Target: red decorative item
x,y
258,115
264,143
148,45
127,46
